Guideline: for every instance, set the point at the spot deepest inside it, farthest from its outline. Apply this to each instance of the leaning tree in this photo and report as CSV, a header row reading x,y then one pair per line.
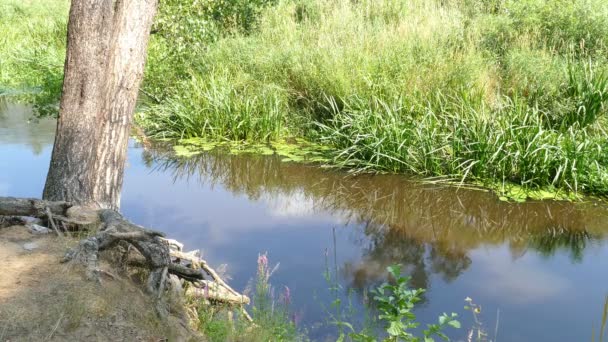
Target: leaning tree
x,y
106,52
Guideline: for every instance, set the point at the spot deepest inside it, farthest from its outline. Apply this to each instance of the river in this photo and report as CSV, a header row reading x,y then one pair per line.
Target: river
x,y
541,268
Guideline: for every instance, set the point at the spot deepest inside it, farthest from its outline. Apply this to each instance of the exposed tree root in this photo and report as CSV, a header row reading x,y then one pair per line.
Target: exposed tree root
x,y
170,268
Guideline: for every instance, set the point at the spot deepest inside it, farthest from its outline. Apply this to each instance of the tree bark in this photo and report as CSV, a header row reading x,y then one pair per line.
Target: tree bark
x,y
106,52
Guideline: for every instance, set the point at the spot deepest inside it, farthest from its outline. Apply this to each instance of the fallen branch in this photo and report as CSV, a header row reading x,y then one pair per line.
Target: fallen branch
x,y
49,216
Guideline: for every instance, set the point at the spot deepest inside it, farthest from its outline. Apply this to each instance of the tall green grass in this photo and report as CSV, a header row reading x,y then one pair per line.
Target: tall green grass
x,y
32,49
493,91
512,144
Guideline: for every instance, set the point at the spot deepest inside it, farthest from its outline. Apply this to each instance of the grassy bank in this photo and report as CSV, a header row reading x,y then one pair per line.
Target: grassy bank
x,y
498,92
32,50
493,92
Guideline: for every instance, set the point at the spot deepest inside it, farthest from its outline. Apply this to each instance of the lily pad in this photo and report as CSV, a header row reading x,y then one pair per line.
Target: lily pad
x,y
185,151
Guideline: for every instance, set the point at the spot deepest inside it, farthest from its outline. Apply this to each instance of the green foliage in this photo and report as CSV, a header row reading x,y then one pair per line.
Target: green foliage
x,y
32,51
589,93
510,144
395,302
295,150
213,107
496,92
269,311
562,24
270,314
182,32
190,24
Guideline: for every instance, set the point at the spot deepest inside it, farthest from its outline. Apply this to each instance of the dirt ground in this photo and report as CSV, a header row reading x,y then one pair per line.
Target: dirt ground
x,y
44,300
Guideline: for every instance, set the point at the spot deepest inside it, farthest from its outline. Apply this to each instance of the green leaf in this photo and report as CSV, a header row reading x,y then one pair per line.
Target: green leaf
x,y
395,328
345,324
454,324
394,270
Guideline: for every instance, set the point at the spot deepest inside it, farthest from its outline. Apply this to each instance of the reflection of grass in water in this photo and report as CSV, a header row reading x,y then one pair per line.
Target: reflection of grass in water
x,y
425,227
557,239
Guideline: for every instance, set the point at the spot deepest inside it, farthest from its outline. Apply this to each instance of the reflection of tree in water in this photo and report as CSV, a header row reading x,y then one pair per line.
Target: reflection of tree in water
x,y
575,242
18,126
392,245
449,263
430,229
389,248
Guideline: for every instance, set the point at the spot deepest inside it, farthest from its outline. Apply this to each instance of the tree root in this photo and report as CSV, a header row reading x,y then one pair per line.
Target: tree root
x,y
170,268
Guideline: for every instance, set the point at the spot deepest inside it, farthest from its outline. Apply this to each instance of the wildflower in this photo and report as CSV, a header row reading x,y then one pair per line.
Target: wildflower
x,y
468,299
263,260
296,317
287,295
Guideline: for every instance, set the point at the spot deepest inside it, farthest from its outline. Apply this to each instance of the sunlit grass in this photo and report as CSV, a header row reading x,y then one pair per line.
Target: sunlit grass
x,y
497,92
32,42
511,144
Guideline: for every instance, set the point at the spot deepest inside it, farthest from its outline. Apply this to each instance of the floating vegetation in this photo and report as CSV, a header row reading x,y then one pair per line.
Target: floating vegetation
x,y
291,150
516,193
298,150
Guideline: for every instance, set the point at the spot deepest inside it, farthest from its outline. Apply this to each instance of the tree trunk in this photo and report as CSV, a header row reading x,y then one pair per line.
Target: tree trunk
x,y
106,52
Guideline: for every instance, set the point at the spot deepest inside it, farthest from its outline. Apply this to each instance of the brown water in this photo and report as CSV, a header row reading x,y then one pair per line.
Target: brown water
x,y
542,265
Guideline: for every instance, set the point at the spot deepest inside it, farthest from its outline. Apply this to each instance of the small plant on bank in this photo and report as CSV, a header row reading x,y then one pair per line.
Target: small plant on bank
x,y
269,310
270,313
395,302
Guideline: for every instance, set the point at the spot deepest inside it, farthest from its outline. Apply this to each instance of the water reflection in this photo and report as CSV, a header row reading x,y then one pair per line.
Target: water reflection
x,y
430,229
19,126
531,260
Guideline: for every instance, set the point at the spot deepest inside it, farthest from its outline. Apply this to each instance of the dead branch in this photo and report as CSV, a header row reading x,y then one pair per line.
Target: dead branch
x,y
49,216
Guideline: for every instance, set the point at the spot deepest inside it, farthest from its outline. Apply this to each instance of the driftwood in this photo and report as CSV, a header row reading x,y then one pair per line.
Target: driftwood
x,y
170,268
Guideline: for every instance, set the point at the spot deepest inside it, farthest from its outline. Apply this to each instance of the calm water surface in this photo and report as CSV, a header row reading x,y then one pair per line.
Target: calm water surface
x,y
543,265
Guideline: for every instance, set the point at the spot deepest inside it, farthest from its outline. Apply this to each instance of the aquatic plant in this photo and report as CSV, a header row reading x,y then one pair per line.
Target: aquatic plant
x,y
477,332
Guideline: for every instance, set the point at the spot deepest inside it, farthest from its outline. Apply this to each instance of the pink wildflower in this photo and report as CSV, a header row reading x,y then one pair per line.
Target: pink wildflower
x,y
263,261
287,295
